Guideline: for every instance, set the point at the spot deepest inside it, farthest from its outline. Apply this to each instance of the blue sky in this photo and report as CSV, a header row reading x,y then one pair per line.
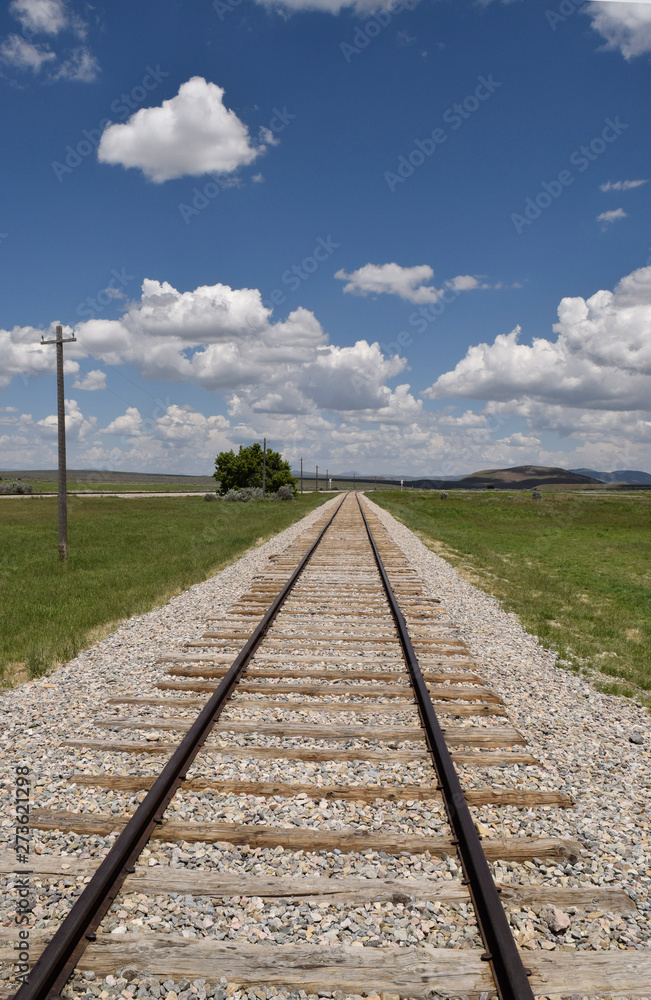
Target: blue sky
x,y
403,238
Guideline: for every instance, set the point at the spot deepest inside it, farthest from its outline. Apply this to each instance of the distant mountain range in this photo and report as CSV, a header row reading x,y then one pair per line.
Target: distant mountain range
x,y
620,476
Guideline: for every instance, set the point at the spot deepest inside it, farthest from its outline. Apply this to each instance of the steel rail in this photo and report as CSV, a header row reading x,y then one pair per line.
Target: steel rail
x,y
58,960
511,977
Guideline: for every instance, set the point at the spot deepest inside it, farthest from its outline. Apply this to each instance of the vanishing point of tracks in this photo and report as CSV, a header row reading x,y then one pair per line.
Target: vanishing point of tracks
x,y
338,626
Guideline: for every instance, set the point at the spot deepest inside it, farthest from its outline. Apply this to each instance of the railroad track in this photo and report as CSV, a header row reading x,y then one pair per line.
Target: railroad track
x,y
336,663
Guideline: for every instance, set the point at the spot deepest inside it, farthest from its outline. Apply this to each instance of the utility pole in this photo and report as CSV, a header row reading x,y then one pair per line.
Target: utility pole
x,y
326,477
264,469
316,481
301,476
61,419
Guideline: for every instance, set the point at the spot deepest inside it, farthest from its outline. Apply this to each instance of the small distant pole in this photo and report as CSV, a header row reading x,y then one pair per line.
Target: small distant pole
x,y
61,421
301,475
376,481
264,468
326,475
316,486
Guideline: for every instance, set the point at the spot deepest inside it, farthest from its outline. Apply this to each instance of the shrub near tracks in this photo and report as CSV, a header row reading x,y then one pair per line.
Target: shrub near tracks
x,y
125,557
574,567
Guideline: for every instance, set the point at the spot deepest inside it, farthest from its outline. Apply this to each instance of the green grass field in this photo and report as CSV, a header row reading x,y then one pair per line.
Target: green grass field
x,y
125,557
576,568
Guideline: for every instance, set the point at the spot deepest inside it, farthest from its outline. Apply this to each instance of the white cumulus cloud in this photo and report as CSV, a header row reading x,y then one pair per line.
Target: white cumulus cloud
x,y
91,381
626,27
81,65
23,354
48,17
614,215
408,283
601,358
465,283
361,7
192,134
621,185
207,313
21,54
392,279
78,427
129,424
520,440
184,425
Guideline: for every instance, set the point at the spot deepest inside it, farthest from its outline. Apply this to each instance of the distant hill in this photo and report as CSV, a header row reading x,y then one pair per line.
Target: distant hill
x,y
519,477
620,476
525,477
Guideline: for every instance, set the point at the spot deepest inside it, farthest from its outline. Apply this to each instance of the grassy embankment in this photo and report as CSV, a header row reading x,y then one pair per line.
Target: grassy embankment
x,y
125,557
576,568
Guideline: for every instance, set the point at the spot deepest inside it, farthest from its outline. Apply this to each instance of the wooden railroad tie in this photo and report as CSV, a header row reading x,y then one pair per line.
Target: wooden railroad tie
x,y
521,797
477,758
478,736
455,708
206,681
323,890
305,839
408,971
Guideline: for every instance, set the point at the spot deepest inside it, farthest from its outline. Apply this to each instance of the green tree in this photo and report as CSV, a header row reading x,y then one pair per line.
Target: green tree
x,y
234,472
